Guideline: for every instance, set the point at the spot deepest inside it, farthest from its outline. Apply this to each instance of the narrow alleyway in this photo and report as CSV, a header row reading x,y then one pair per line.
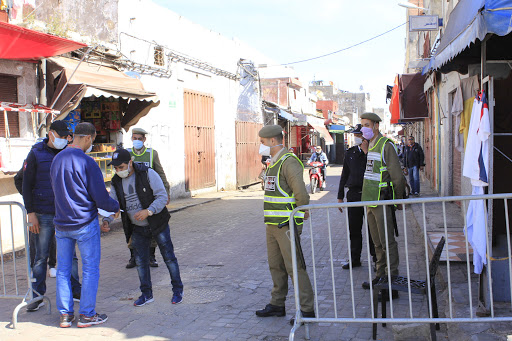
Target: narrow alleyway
x,y
221,249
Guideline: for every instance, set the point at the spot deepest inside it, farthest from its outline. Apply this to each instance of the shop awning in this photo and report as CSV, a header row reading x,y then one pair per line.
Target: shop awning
x,y
20,43
93,80
34,108
318,124
287,116
471,20
413,104
335,128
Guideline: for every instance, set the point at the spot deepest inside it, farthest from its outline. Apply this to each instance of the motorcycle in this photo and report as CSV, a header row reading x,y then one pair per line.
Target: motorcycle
x,y
315,176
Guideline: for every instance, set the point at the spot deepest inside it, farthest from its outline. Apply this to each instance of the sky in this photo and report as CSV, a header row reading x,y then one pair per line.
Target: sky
x,y
292,30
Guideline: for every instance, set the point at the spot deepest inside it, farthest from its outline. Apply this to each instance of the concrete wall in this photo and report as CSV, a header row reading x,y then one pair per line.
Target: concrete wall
x,y
12,158
167,120
95,21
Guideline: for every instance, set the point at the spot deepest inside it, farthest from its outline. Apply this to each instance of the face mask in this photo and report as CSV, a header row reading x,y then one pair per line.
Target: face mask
x,y
124,173
358,141
138,144
59,143
264,150
367,133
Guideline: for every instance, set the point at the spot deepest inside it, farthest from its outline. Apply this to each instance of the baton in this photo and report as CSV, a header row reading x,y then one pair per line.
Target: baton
x,y
300,254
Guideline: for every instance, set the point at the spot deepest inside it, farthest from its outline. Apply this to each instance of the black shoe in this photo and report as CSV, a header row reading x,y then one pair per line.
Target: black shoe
x,y
76,297
131,263
152,259
384,294
304,314
346,266
366,285
271,310
35,306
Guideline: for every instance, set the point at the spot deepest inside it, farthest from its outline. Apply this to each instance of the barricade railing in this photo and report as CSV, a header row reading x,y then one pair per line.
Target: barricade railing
x,y
401,316
16,270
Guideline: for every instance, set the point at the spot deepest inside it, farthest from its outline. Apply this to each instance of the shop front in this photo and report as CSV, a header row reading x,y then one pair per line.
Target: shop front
x,y
109,99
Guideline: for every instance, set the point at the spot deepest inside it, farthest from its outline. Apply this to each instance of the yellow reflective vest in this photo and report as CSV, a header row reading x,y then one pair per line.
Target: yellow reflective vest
x,y
277,203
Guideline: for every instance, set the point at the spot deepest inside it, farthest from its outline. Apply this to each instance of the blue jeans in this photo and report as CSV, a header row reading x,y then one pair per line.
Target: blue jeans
x,y
88,240
414,179
42,242
141,240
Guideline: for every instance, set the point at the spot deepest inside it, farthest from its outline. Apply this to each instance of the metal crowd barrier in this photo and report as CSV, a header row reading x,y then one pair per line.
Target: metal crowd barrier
x,y
10,267
404,243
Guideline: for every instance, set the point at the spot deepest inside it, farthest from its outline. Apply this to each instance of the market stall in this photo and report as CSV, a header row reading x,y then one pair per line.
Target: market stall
x,y
102,95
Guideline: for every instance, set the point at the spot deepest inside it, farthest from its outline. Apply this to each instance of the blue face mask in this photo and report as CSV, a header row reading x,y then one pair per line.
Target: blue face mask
x,y
59,143
138,144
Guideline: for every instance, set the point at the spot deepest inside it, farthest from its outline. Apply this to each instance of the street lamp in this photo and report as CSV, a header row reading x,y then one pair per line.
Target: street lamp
x,y
412,6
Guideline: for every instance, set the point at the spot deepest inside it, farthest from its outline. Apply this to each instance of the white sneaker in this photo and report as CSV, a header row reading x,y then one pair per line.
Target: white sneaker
x,y
53,272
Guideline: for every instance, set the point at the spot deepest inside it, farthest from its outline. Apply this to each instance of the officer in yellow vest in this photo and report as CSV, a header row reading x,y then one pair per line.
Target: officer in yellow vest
x,y
284,190
383,180
149,157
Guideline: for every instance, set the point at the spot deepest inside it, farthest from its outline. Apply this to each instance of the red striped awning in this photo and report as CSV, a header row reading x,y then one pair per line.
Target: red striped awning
x,y
20,43
7,106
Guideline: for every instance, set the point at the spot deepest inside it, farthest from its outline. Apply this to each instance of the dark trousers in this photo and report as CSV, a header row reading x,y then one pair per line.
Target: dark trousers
x,y
141,239
355,225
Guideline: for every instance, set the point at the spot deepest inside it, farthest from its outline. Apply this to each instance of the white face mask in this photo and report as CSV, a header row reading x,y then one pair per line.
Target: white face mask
x,y
124,173
88,149
358,141
265,150
59,143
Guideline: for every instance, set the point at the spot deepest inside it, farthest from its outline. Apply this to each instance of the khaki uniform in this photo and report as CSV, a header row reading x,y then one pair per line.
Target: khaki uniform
x,y
278,242
376,214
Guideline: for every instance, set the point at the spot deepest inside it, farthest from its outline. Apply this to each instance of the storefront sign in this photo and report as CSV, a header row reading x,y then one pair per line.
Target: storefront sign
x,y
423,23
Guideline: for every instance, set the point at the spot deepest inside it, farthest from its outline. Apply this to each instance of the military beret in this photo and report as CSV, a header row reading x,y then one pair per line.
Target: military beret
x,y
139,131
371,116
271,131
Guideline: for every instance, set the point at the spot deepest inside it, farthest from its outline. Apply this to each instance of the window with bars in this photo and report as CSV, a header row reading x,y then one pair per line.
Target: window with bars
x,y
159,56
9,93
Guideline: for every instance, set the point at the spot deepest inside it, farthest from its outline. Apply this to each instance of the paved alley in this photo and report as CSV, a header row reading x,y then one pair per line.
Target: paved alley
x,y
221,249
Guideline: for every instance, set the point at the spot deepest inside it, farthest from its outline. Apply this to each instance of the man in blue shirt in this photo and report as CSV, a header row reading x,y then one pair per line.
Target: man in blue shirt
x,y
39,202
320,156
79,190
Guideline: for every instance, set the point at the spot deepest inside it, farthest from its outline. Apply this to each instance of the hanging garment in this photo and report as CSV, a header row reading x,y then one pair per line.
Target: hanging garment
x,y
476,158
469,87
476,167
457,109
477,234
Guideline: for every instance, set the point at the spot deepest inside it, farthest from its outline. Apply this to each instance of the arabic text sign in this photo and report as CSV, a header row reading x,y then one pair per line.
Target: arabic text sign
x,y
423,23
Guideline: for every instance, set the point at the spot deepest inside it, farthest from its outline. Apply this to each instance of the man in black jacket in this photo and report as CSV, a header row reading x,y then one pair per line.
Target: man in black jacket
x,y
352,177
414,161
142,198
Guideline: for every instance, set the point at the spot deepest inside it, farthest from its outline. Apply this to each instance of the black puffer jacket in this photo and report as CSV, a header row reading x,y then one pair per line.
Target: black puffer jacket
x,y
413,156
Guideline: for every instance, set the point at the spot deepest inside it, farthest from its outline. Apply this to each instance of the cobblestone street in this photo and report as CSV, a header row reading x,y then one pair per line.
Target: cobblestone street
x,y
221,249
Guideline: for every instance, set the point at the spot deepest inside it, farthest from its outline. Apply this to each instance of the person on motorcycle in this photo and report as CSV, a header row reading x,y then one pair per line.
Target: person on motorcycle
x,y
320,156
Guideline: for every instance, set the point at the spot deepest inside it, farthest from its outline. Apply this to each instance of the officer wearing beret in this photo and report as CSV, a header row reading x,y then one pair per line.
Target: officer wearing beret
x,y
383,180
284,190
149,157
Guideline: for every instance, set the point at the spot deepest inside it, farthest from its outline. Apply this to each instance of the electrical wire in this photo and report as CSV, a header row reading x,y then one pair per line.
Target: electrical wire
x,y
346,48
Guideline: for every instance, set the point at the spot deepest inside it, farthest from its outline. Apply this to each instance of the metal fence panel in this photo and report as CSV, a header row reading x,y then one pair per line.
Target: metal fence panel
x,y
15,272
397,315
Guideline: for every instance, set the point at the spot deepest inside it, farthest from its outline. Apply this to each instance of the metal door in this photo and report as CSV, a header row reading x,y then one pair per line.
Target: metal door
x,y
199,140
248,159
